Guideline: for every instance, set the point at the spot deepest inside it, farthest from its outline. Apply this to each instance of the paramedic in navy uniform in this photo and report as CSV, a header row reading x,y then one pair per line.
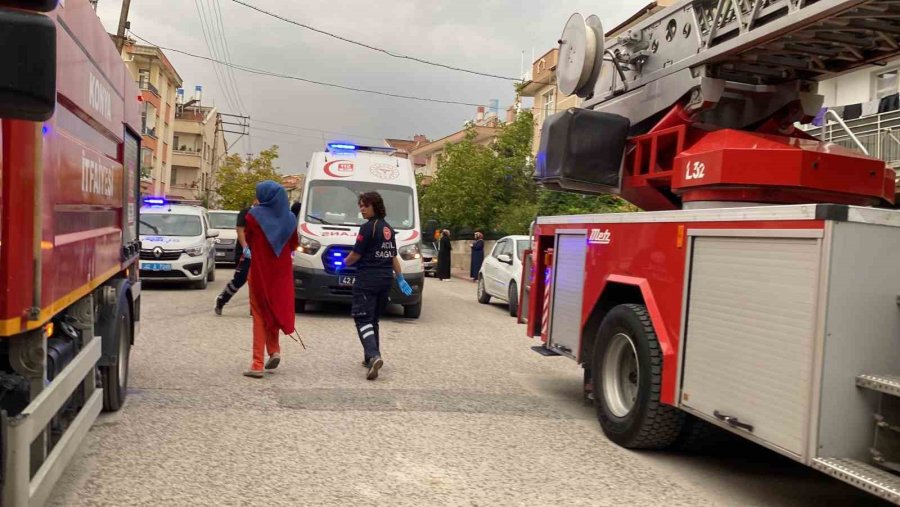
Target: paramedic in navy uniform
x,y
375,254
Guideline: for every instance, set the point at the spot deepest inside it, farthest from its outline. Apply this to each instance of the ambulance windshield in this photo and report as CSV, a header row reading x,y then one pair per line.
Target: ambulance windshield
x,y
335,203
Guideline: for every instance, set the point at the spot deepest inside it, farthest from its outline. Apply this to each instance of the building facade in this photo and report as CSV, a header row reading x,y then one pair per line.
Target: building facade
x,y
293,185
541,85
158,81
404,147
198,150
431,153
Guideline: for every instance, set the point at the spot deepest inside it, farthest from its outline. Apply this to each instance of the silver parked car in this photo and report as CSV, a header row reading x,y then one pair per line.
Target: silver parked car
x,y
501,273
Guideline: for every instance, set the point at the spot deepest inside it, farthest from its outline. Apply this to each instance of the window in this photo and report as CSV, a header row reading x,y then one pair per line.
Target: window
x,y
500,248
144,78
175,145
335,203
170,225
521,246
549,103
886,83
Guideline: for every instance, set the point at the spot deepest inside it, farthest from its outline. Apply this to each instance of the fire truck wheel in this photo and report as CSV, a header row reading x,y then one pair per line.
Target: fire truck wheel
x,y
483,296
513,298
115,377
627,379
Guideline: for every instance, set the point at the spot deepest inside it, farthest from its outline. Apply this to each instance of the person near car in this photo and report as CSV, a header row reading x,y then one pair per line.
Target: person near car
x,y
477,255
375,255
271,234
443,269
242,269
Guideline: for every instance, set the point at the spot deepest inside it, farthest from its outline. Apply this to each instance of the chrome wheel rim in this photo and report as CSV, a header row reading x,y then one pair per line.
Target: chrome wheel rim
x,y
621,375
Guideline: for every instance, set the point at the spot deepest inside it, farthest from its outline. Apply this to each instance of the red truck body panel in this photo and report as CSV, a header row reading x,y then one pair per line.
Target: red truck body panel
x,y
648,255
87,208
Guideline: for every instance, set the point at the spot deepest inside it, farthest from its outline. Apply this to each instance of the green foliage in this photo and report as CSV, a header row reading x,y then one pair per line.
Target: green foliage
x,y
237,178
491,188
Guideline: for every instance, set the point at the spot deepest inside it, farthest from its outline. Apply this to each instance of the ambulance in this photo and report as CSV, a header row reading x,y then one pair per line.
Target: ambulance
x,y
329,222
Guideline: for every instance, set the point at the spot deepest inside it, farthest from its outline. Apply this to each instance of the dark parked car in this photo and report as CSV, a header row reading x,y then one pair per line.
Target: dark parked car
x,y
429,258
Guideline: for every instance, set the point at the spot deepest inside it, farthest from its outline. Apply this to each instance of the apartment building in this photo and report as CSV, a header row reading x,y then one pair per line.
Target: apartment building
x,y
198,148
158,81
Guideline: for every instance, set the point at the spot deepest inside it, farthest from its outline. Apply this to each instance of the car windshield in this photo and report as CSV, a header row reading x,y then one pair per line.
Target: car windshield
x,y
335,203
170,225
521,246
219,220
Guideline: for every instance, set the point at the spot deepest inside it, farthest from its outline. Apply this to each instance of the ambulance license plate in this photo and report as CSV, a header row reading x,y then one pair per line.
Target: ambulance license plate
x,y
156,266
346,281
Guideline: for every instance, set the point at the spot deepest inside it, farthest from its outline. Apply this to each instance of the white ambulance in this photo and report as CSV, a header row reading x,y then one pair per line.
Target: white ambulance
x,y
329,223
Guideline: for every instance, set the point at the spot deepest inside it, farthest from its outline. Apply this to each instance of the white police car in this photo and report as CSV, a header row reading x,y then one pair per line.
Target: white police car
x,y
177,244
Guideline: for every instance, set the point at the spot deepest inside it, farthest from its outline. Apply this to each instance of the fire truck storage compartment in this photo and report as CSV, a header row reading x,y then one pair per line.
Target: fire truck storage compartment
x,y
568,284
750,332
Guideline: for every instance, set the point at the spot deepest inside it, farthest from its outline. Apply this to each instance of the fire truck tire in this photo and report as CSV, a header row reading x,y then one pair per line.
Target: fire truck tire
x,y
513,298
483,296
115,377
627,351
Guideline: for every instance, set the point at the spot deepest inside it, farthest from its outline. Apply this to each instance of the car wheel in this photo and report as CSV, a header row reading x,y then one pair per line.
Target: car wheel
x,y
299,306
483,297
413,311
513,298
211,275
627,376
202,284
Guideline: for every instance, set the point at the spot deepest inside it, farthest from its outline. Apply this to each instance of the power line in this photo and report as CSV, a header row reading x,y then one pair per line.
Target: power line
x,y
261,72
221,24
373,48
211,49
316,130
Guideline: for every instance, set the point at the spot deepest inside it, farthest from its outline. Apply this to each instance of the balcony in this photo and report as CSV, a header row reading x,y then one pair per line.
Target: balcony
x,y
145,84
187,158
149,131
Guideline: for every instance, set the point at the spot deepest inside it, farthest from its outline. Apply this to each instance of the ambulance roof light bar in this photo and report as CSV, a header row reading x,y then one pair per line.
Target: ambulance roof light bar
x,y
350,147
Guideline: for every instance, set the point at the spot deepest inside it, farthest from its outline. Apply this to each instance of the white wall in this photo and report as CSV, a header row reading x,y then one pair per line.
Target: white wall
x,y
853,88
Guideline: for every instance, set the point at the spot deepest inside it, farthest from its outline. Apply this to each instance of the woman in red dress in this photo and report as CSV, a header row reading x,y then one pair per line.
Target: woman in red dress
x,y
271,234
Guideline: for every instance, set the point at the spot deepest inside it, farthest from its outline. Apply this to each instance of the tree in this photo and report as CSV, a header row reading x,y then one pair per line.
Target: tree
x,y
492,188
237,177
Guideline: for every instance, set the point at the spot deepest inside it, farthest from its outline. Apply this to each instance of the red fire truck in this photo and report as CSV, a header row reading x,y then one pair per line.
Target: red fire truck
x,y
758,293
69,186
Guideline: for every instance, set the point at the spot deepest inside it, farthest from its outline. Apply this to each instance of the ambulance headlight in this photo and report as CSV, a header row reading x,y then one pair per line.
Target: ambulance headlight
x,y
308,246
195,251
410,252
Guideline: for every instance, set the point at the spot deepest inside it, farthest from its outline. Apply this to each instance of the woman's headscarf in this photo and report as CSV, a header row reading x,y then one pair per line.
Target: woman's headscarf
x,y
273,214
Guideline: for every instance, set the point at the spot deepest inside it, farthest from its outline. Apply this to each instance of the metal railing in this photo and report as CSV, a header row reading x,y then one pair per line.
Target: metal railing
x,y
877,135
145,84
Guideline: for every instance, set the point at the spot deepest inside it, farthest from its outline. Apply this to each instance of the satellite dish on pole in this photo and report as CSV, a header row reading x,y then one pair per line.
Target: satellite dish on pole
x,y
580,55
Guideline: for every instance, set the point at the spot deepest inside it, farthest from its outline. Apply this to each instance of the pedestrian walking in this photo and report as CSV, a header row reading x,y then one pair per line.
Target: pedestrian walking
x,y
477,255
443,268
271,234
242,267
375,255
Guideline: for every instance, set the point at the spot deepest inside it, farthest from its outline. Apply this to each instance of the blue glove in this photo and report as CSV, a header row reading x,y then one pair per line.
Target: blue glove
x,y
246,252
404,286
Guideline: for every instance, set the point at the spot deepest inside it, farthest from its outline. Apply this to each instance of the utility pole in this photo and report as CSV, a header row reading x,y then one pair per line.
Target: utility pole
x,y
123,24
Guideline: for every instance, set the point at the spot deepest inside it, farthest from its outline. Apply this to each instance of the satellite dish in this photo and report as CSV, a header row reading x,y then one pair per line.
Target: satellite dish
x,y
580,55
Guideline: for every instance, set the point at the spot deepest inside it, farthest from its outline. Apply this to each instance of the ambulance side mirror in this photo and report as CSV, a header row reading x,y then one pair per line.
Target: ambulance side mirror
x,y
28,60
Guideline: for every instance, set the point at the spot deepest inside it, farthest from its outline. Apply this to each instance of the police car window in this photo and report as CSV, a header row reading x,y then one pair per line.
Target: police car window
x,y
170,225
335,203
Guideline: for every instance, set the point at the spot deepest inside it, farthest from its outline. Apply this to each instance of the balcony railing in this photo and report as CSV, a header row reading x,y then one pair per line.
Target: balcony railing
x,y
879,134
145,84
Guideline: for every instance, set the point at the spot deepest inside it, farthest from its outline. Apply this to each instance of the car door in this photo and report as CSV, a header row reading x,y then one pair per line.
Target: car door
x,y
506,270
491,267
210,242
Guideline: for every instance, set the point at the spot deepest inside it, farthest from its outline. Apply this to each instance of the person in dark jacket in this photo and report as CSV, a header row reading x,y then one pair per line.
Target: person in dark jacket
x,y
375,255
242,266
477,255
271,235
443,269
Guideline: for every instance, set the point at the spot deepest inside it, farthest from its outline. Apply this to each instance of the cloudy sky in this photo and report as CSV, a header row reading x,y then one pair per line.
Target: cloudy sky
x,y
485,35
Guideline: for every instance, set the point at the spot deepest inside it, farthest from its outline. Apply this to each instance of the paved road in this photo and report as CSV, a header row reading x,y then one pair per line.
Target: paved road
x,y
463,414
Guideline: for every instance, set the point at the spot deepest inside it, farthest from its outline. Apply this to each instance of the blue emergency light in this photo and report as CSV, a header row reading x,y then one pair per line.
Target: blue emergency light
x,y
342,146
155,201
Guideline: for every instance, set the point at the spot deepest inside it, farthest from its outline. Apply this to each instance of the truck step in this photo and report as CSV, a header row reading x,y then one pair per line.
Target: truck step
x,y
887,384
544,351
862,475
